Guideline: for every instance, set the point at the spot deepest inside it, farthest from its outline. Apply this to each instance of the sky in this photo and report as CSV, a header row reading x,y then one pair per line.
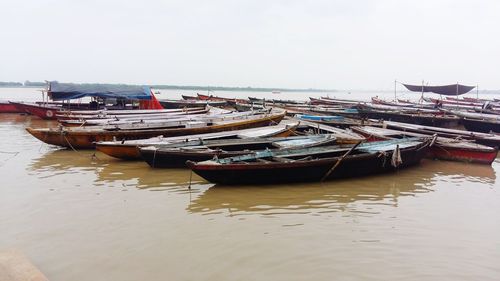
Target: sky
x,y
329,44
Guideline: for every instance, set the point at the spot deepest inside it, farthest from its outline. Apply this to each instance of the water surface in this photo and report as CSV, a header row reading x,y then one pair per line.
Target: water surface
x,y
81,215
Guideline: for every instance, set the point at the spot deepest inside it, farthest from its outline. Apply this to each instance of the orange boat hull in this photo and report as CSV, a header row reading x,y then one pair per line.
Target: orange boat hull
x,y
86,138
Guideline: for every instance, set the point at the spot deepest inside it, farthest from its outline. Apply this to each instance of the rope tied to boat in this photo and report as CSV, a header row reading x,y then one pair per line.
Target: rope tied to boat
x,y
190,178
71,146
154,157
383,154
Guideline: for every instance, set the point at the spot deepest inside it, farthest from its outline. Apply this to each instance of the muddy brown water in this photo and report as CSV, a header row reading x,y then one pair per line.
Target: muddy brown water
x,y
81,216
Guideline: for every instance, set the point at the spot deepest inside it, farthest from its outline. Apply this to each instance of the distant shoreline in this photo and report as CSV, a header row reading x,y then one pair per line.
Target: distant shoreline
x,y
194,88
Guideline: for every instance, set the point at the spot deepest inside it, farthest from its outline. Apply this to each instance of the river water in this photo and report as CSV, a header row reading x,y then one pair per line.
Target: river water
x,y
80,216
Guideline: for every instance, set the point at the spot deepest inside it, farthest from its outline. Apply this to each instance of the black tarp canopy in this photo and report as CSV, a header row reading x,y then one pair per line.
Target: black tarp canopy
x,y
66,91
448,90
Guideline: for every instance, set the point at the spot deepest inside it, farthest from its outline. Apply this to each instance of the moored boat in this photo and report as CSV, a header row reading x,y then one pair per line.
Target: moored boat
x,y
313,164
488,139
337,120
176,155
478,125
230,101
189,103
479,122
46,112
421,116
7,107
442,148
129,149
86,137
123,119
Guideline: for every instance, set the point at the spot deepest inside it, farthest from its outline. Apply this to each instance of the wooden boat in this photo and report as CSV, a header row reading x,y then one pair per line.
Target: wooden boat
x,y
376,100
343,136
346,112
86,137
230,101
288,102
312,164
456,102
421,118
151,121
443,148
397,108
479,122
128,119
469,99
106,114
485,126
176,155
129,149
333,101
275,101
185,97
188,121
494,110
488,139
7,107
189,103
43,111
256,100
473,115
337,121
247,106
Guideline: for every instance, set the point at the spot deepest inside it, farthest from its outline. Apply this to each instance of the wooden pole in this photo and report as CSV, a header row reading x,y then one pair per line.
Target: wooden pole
x,y
395,98
422,96
340,160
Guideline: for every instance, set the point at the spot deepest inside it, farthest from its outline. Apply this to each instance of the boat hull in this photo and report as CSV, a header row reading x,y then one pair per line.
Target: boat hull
x,y
86,139
481,125
9,108
44,112
159,159
127,151
305,171
189,104
443,152
427,120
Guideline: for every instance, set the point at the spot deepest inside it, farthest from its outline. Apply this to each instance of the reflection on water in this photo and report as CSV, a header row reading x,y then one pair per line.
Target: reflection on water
x,y
70,212
337,195
11,119
105,171
340,195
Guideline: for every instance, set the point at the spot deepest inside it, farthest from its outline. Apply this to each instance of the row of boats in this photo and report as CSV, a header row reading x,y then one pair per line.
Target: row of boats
x,y
274,141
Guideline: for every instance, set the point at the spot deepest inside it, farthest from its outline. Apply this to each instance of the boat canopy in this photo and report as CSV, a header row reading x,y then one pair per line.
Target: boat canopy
x,y
448,90
66,91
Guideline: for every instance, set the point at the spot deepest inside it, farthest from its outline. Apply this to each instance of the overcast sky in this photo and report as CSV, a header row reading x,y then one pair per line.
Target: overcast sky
x,y
298,44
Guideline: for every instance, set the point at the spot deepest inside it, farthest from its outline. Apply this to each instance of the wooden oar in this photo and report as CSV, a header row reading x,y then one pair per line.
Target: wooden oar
x,y
340,160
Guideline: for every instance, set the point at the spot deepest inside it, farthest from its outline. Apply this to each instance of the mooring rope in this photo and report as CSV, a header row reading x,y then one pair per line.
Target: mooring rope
x,y
13,153
79,153
190,178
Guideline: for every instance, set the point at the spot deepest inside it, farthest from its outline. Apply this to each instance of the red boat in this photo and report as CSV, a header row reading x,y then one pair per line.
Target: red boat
x,y
43,111
7,107
443,149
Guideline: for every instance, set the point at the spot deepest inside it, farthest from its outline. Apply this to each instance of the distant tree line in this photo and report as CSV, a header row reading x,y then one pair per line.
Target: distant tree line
x,y
25,84
221,88
28,83
11,84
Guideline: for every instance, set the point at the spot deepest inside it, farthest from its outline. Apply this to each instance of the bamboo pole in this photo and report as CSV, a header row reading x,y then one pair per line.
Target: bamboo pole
x,y
340,160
